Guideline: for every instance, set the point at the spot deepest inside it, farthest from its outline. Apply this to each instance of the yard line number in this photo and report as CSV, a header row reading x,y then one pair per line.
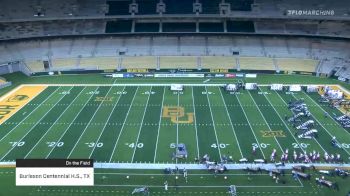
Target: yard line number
x,y
93,93
344,145
262,145
132,145
302,145
55,144
221,145
93,144
121,92
15,144
64,93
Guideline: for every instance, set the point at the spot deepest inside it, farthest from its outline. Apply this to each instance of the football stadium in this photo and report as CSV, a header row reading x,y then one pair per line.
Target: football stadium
x,y
174,97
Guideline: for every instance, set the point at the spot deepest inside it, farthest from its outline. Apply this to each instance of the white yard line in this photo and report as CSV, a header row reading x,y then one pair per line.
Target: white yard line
x,y
322,125
266,122
195,123
122,128
28,115
76,116
177,123
283,121
88,124
143,117
106,122
313,138
233,129
212,119
58,118
251,128
31,129
159,122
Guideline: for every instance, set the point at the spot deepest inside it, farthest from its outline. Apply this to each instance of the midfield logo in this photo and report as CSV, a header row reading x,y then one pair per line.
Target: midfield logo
x,y
175,113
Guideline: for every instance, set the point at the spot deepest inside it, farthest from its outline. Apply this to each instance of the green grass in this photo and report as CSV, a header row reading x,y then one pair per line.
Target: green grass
x,y
125,124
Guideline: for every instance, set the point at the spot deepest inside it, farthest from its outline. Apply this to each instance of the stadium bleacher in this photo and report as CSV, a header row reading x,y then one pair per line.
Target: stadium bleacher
x,y
288,64
219,62
301,28
256,63
177,62
139,62
301,54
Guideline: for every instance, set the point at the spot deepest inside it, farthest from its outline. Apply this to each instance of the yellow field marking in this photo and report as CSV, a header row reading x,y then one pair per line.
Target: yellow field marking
x,y
273,134
104,99
175,113
14,101
8,166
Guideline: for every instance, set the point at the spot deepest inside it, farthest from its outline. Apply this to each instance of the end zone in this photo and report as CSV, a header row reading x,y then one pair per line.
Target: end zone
x,y
15,100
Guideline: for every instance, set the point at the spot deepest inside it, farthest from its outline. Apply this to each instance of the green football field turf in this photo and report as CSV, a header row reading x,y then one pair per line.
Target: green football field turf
x,y
143,123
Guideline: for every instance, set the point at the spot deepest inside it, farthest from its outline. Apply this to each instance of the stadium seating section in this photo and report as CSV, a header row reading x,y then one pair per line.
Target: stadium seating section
x,y
288,64
178,62
258,63
139,62
218,62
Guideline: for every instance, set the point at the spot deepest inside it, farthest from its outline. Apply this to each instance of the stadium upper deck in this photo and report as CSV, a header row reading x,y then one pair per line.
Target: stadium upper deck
x,y
25,19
